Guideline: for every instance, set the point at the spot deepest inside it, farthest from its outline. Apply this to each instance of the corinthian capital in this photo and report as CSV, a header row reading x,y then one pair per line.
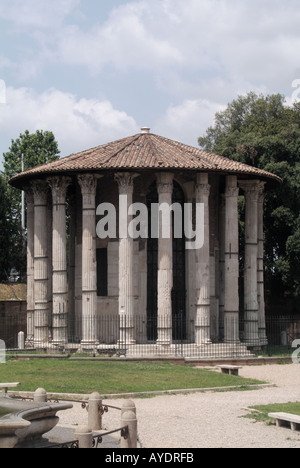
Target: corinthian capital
x,y
232,191
164,182
125,181
59,187
203,189
253,189
29,194
261,192
202,186
88,184
40,192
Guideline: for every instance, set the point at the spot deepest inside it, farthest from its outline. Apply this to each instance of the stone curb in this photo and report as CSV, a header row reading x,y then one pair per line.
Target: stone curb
x,y
85,397
179,360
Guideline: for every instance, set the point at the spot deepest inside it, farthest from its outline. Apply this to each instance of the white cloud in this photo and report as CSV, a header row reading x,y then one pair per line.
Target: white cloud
x,y
40,14
77,124
189,120
239,40
197,56
255,42
126,41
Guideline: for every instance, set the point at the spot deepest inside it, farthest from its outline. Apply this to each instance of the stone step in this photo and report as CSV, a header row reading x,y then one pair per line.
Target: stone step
x,y
221,350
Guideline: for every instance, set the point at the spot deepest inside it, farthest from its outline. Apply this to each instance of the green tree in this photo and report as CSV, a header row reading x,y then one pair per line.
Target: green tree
x,y
5,231
38,148
264,132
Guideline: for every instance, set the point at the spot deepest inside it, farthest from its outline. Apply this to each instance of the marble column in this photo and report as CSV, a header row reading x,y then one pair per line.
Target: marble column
x,y
222,223
126,298
78,266
231,309
142,280
72,267
59,187
30,265
41,267
251,191
88,184
260,268
202,323
165,262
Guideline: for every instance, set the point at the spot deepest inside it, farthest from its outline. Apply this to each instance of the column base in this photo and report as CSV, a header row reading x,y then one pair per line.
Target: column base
x,y
264,342
89,345
202,335
234,342
204,343
126,337
59,344
59,338
253,344
164,343
263,336
124,344
41,344
29,342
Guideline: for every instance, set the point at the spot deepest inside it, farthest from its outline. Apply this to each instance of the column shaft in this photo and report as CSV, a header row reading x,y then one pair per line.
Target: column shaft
x,y
72,267
231,311
126,299
59,187
30,265
41,314
165,262
222,227
260,269
88,184
202,324
251,265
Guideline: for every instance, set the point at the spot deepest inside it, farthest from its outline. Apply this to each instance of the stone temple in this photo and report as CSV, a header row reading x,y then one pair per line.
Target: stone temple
x,y
143,292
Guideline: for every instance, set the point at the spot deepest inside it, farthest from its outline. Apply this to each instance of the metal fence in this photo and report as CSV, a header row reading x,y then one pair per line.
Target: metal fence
x,y
142,337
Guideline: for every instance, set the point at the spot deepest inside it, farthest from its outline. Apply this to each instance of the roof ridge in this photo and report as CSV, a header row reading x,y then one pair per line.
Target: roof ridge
x,y
186,148
111,156
152,144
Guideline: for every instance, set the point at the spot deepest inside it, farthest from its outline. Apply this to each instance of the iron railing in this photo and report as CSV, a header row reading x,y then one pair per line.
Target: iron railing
x,y
142,336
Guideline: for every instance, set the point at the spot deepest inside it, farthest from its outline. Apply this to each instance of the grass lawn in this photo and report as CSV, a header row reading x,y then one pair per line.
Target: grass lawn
x,y
260,413
64,376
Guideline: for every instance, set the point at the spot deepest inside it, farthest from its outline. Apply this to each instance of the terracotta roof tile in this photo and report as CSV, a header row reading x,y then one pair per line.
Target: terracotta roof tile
x,y
143,151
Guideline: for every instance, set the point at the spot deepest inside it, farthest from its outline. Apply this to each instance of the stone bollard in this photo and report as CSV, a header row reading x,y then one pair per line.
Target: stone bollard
x,y
94,415
40,396
2,352
128,406
128,418
84,436
21,340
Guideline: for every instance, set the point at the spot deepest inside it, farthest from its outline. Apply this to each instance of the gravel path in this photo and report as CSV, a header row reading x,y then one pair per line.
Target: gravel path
x,y
208,420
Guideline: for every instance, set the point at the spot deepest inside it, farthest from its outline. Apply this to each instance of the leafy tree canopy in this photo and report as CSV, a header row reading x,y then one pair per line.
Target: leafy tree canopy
x,y
38,148
264,132
5,230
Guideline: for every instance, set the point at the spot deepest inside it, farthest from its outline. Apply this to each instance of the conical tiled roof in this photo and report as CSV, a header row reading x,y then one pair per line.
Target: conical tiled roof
x,y
141,152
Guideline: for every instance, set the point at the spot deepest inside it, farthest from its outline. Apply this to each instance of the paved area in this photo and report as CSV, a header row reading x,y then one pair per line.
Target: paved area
x,y
207,420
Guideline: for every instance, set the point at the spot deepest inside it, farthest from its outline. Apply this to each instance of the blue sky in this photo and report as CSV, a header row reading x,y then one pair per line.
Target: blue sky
x,y
93,71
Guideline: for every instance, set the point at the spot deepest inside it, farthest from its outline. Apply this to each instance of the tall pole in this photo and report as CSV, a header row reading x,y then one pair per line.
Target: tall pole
x,y
23,240
23,200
